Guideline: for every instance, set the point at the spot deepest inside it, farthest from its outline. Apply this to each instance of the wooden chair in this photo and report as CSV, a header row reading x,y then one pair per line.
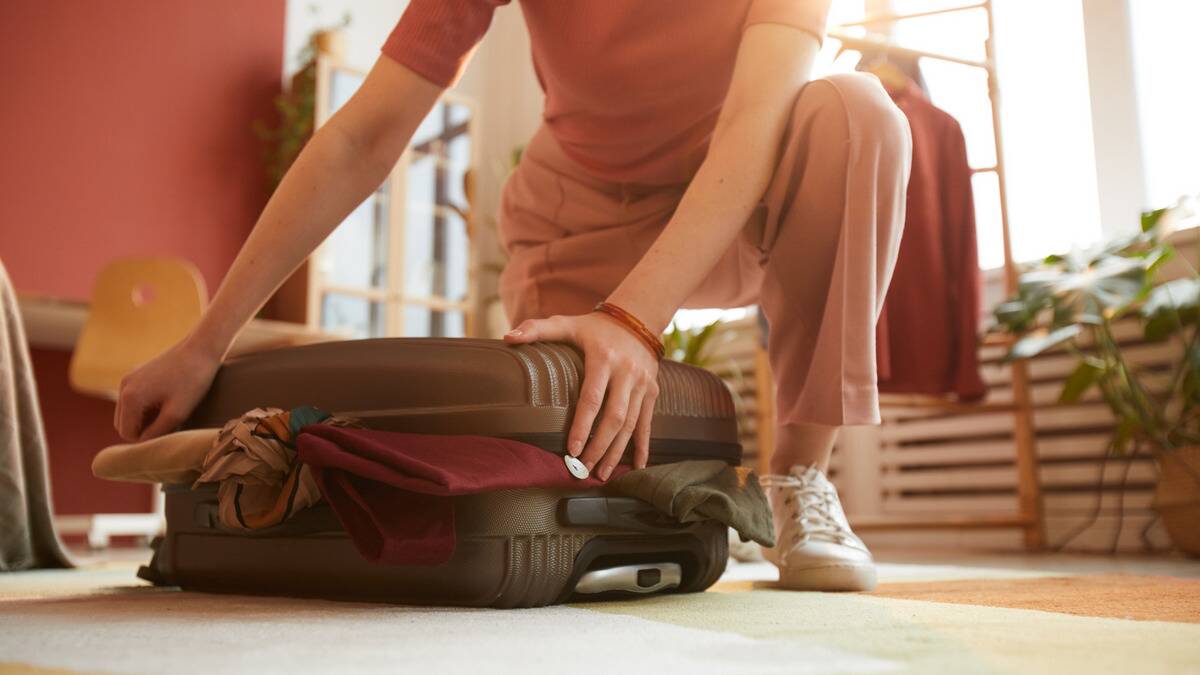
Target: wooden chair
x,y
140,307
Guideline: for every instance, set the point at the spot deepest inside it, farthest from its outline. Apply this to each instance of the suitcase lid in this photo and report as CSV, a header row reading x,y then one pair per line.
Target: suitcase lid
x,y
465,386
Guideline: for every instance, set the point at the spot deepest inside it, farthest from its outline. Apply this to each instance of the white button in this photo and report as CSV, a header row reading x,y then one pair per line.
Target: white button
x,y
576,467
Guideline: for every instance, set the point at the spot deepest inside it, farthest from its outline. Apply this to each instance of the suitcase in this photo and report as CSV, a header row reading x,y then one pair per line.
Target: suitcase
x,y
515,548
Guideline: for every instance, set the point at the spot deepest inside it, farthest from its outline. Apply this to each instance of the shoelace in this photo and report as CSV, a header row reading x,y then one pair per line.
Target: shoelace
x,y
814,506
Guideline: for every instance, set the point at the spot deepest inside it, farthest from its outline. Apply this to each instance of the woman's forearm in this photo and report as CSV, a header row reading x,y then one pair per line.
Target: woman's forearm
x,y
717,204
325,183
346,160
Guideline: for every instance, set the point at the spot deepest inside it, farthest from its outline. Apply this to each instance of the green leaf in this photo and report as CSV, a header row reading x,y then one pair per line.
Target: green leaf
x,y
1036,343
688,346
1011,311
1170,307
699,340
1191,374
1157,256
1085,375
1105,286
1126,428
1064,314
1150,219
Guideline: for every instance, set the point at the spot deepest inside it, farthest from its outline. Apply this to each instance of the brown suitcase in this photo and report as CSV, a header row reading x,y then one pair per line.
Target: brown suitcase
x,y
515,548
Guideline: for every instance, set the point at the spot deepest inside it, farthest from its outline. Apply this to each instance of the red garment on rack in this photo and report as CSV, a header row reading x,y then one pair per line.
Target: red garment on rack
x,y
927,334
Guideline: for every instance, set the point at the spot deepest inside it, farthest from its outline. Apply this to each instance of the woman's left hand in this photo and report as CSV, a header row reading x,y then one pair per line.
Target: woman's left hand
x,y
620,385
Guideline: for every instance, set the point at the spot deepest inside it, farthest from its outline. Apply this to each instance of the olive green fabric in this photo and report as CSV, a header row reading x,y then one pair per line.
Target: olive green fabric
x,y
704,490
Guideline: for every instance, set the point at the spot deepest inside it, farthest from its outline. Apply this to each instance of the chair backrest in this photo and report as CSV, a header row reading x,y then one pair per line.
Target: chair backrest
x,y
140,307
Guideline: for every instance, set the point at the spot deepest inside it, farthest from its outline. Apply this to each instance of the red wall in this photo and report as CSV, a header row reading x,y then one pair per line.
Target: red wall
x,y
125,129
76,427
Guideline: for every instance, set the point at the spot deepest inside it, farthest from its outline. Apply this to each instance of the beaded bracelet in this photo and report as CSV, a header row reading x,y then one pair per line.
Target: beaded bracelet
x,y
635,326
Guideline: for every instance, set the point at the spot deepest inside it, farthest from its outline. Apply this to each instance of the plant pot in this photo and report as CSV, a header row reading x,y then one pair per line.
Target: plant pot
x,y
1177,499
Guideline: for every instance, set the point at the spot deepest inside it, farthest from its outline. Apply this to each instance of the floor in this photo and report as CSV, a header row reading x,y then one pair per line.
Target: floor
x,y
969,619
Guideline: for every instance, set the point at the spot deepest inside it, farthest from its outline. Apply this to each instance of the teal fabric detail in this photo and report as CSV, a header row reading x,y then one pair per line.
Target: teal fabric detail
x,y
303,416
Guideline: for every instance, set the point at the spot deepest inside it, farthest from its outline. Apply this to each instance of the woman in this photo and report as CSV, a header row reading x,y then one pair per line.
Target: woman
x,y
685,160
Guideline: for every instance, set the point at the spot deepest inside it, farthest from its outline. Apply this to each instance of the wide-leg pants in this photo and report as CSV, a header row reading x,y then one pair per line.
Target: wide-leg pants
x,y
817,254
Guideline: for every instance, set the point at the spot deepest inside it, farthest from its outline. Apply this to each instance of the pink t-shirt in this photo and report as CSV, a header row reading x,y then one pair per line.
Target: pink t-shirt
x,y
633,87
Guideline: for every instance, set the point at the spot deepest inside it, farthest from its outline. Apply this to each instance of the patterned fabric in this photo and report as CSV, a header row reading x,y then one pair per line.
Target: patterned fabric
x,y
254,460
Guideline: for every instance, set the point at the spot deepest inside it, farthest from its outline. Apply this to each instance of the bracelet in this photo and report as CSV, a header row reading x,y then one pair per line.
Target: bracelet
x,y
635,326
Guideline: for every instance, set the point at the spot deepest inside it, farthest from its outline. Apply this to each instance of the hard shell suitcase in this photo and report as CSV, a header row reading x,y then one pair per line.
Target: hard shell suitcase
x,y
515,548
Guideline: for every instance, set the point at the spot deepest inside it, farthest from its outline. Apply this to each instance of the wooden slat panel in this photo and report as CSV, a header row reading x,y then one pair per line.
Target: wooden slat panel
x,y
1078,446
1087,474
1070,474
1059,503
1056,366
1059,418
947,479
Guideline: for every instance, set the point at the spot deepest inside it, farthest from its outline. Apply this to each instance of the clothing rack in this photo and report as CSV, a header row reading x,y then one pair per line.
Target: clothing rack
x,y
1028,517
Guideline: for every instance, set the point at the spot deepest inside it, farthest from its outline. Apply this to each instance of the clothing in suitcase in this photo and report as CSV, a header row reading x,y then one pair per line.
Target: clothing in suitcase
x,y
515,548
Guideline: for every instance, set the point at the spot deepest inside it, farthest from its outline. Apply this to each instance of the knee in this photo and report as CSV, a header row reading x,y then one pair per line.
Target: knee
x,y
856,105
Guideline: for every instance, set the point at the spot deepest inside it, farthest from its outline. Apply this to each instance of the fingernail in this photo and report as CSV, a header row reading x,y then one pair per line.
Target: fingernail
x,y
575,448
514,332
605,472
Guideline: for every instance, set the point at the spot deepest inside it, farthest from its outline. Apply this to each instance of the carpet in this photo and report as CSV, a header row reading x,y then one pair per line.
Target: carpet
x,y
1118,596
924,618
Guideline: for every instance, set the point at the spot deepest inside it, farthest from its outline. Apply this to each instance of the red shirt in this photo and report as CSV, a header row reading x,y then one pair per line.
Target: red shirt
x,y
633,87
928,332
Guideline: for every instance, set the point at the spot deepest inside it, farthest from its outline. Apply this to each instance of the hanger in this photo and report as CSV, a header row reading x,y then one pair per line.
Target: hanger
x,y
891,75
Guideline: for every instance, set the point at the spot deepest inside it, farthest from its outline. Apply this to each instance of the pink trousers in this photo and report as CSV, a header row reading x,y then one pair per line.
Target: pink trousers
x,y
816,256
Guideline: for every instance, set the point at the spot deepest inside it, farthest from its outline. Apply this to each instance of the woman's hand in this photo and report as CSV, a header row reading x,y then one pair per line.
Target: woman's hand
x,y
620,384
159,395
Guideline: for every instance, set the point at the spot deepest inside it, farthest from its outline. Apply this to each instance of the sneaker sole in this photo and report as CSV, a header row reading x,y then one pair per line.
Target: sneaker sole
x,y
829,578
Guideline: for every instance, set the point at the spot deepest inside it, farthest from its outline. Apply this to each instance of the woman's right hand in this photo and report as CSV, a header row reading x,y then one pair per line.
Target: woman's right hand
x,y
160,394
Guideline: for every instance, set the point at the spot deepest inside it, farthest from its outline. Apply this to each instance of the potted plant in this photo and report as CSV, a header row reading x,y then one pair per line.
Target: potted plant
x,y
286,136
1071,302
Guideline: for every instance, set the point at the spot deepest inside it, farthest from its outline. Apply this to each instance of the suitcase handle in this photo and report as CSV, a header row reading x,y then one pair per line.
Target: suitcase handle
x,y
644,578
625,513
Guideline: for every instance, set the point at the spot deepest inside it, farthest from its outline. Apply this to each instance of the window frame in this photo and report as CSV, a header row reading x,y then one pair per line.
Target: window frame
x,y
394,298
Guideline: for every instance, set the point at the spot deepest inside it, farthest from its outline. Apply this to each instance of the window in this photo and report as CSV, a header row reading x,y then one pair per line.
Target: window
x,y
399,264
1045,113
1165,65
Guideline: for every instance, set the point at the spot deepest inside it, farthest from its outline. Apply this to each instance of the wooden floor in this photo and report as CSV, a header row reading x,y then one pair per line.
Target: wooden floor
x,y
1067,563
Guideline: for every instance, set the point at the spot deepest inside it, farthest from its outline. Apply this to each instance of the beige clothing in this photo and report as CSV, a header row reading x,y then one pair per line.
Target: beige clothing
x,y
172,459
817,256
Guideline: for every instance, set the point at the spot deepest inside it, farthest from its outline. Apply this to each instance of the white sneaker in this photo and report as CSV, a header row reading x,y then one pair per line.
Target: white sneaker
x,y
815,549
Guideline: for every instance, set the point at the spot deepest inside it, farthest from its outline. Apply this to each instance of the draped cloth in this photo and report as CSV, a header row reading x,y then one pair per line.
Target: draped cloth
x,y
27,536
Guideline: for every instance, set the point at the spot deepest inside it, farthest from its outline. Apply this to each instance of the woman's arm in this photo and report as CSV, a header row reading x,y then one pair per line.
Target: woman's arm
x,y
346,159
774,61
